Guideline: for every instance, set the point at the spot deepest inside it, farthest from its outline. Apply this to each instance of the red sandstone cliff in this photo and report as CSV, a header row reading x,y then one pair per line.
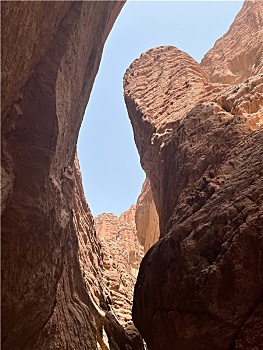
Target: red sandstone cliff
x,y
200,142
122,255
50,56
109,256
146,217
238,55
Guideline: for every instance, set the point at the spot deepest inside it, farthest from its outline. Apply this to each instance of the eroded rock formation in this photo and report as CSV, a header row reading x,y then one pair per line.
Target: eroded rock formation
x,y
121,256
50,56
200,141
146,217
238,55
109,256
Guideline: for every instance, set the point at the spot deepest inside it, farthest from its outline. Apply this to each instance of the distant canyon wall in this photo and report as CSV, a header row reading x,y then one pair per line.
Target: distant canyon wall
x,y
122,254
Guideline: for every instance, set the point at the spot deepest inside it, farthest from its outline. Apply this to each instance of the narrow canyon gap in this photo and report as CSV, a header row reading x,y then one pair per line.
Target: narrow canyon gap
x,y
198,130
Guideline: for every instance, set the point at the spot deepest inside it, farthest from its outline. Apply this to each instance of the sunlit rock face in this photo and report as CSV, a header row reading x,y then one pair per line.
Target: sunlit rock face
x,y
238,55
200,141
121,255
146,217
53,295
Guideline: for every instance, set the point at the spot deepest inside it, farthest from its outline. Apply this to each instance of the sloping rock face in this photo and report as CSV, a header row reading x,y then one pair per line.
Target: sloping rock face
x,y
121,256
146,217
50,55
201,144
238,55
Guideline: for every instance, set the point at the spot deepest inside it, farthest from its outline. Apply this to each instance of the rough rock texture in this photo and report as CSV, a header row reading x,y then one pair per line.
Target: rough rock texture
x,y
146,217
121,256
238,55
201,144
50,56
31,29
109,268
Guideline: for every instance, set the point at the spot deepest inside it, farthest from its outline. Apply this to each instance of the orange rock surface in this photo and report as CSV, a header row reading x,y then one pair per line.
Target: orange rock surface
x,y
146,217
238,55
50,55
121,256
109,257
200,140
198,129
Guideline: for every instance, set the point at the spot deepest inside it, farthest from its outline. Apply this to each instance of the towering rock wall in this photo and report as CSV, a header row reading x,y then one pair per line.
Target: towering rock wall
x,y
200,141
50,56
201,146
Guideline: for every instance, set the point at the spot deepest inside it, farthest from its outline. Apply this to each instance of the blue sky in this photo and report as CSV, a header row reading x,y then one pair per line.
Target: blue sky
x,y
111,171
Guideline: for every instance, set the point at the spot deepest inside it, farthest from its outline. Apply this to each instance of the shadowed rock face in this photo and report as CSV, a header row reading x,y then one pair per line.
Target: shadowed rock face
x,y
50,56
201,144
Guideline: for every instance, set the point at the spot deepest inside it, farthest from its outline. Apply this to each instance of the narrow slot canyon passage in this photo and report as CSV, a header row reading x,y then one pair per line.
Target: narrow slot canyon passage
x,y
126,221
131,175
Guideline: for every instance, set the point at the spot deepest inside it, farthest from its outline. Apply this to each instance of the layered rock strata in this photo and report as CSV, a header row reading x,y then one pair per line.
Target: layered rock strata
x,y
50,56
121,256
200,142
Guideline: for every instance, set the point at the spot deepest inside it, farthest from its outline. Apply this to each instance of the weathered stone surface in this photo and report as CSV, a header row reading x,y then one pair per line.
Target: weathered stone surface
x,y
201,145
176,84
146,217
6,187
50,56
109,261
32,29
121,256
238,55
